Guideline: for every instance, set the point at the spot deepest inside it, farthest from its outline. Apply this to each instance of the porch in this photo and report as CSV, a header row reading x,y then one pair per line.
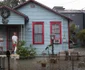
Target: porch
x,y
6,32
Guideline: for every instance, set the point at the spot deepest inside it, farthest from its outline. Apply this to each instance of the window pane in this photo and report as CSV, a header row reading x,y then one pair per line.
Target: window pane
x,y
55,31
53,26
56,26
37,38
35,28
57,35
38,28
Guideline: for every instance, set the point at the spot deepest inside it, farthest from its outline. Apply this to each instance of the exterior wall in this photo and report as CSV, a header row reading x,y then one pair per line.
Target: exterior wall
x,y
40,14
14,19
77,19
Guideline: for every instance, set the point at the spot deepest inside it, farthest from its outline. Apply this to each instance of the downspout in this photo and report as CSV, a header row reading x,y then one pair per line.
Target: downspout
x,y
26,20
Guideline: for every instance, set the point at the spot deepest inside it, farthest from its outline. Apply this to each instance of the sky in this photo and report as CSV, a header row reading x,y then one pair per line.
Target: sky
x,y
67,4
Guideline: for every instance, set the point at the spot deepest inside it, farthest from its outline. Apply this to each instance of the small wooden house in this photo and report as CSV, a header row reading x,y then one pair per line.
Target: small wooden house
x,y
34,23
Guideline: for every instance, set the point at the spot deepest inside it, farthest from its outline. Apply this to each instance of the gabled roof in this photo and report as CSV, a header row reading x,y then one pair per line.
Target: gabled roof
x,y
21,5
19,13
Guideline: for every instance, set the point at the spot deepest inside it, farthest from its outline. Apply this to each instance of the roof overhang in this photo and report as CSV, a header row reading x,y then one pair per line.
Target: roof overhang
x,y
26,19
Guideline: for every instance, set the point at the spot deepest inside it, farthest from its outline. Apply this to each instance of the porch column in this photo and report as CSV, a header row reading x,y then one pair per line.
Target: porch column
x,y
21,32
24,32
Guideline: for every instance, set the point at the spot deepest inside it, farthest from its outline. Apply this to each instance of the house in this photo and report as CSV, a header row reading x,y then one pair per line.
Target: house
x,y
34,23
77,16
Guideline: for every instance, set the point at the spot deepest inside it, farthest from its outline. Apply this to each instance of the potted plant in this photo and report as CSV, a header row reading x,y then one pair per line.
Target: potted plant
x,y
43,62
52,58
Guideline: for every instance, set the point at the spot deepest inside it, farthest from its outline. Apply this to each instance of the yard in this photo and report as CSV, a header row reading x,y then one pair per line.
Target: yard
x,y
35,64
52,63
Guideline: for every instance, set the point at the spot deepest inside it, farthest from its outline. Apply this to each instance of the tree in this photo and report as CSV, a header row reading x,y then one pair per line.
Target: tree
x,y
73,32
11,3
14,3
81,36
2,3
22,1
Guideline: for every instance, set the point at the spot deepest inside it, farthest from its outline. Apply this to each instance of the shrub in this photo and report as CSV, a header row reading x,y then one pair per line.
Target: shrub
x,y
31,51
25,52
81,36
21,50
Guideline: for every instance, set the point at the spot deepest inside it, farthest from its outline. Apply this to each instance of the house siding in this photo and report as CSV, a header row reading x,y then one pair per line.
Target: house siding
x,y
40,14
14,19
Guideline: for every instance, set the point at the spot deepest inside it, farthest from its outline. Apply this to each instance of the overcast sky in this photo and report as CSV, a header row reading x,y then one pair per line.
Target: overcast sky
x,y
68,4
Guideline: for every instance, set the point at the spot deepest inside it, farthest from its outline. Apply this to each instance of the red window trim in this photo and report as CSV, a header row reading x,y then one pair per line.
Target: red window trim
x,y
34,23
59,23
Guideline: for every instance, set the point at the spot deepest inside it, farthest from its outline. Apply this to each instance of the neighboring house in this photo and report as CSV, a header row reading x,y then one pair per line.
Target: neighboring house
x,y
34,23
78,16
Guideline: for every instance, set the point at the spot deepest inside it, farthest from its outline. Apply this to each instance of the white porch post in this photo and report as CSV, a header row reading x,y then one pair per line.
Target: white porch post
x,y
24,32
21,32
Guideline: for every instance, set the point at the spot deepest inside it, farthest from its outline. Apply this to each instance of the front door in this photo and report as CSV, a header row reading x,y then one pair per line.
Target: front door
x,y
10,31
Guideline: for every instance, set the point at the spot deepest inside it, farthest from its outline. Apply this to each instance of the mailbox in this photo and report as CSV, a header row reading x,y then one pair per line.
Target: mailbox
x,y
8,53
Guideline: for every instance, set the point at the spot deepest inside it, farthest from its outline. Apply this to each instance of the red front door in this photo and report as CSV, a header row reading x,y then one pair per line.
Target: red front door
x,y
10,31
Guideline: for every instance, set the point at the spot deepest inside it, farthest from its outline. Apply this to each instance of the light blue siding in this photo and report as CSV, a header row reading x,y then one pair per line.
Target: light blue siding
x,y
41,14
14,19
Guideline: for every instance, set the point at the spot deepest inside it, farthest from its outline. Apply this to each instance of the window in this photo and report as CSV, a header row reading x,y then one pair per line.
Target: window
x,y
38,32
56,29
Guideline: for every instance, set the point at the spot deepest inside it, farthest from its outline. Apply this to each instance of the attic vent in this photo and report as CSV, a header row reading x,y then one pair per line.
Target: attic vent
x,y
32,5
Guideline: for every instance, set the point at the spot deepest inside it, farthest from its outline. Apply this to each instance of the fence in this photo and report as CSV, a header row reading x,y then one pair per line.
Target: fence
x,y
45,63
2,63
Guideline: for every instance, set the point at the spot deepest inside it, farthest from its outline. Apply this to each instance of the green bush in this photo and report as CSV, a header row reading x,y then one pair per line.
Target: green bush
x,y
81,37
25,52
31,51
21,50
